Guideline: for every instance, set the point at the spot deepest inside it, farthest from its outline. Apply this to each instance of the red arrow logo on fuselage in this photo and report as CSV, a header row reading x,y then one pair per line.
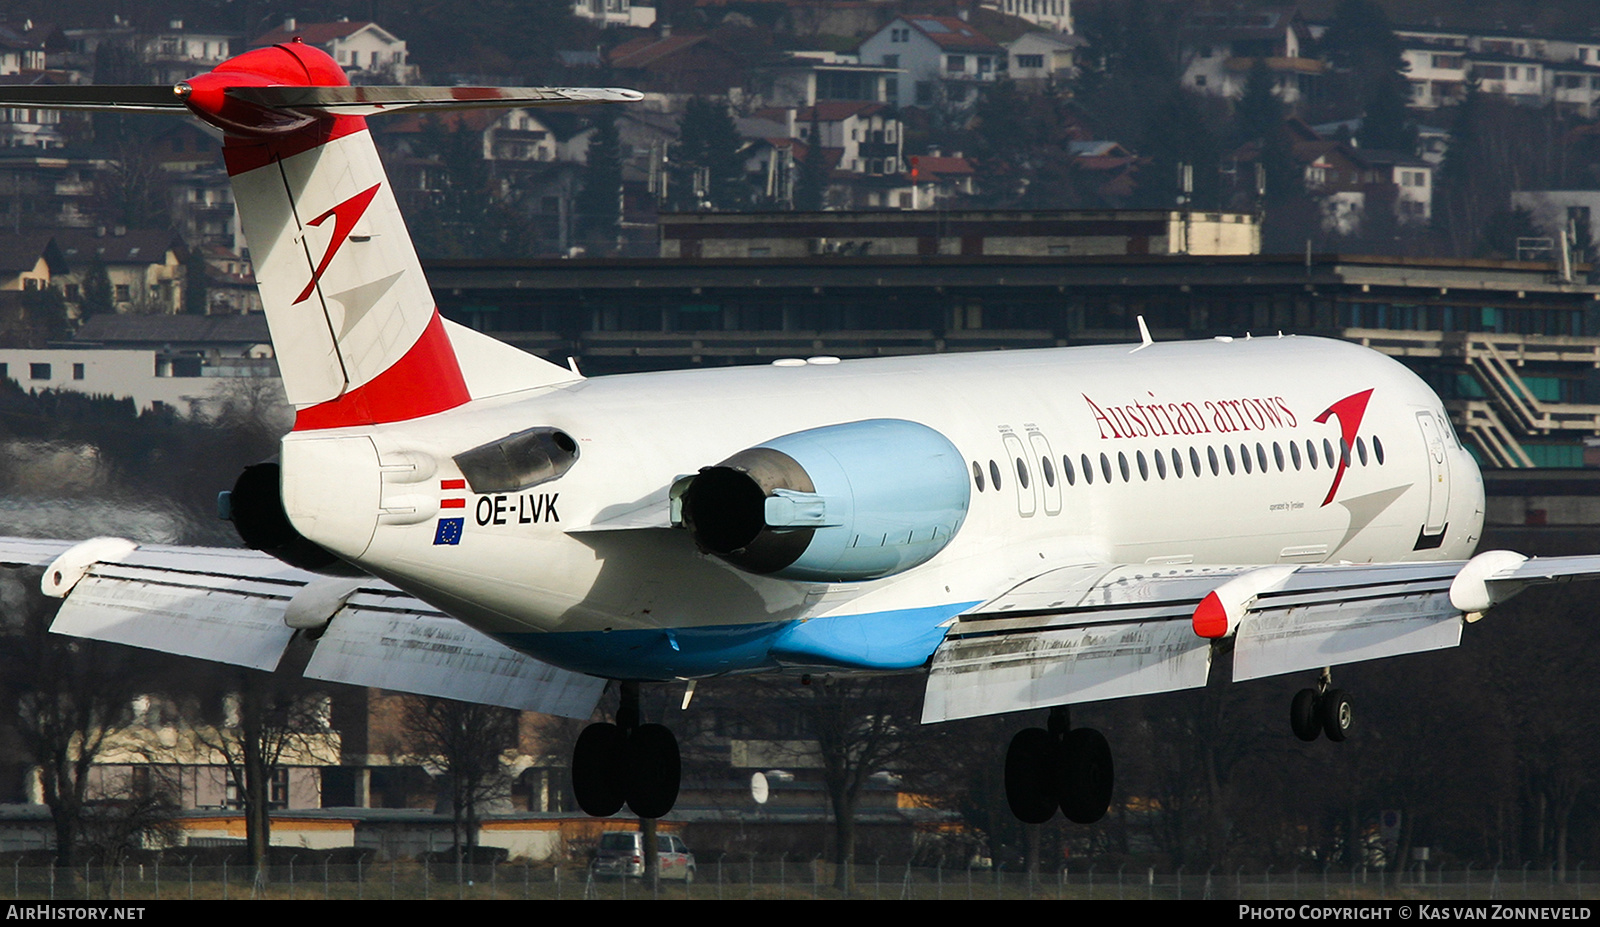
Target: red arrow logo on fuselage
x,y
1349,411
345,216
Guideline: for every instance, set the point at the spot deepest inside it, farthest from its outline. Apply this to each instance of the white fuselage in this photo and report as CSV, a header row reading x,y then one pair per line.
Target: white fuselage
x,y
591,551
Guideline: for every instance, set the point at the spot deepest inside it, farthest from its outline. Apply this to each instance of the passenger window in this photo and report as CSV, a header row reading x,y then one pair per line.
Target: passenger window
x,y
1212,453
994,475
1277,455
1311,454
1227,454
1327,453
1294,454
1361,451
1144,465
1377,449
1122,464
1088,469
1105,467
1049,471
1022,473
1177,464
977,475
1161,464
1261,457
1066,470
1344,452
1194,461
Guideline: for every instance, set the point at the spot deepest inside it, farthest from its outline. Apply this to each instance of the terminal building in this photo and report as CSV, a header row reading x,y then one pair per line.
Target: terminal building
x,y
1513,347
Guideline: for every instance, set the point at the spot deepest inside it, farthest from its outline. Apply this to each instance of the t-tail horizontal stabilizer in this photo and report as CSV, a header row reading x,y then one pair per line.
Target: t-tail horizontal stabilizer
x,y
355,329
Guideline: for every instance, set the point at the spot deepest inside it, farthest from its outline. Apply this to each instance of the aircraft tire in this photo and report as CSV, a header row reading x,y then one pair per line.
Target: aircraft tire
x,y
1087,775
653,770
1337,714
599,769
1030,779
1304,716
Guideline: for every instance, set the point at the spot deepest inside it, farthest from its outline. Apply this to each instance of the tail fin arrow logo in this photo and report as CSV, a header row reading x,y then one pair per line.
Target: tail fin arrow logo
x,y
345,216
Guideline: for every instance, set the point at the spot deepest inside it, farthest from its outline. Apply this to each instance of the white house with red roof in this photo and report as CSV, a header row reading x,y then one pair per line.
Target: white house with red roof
x,y
941,56
368,52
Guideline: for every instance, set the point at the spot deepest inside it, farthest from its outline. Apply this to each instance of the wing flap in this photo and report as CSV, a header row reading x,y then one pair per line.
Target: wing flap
x,y
231,606
391,644
992,674
1099,631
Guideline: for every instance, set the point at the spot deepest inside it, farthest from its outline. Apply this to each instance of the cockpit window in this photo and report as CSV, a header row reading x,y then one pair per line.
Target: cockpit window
x,y
518,461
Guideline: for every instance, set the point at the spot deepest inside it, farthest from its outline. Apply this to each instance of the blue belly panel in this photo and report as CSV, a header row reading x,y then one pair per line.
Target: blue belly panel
x,y
887,640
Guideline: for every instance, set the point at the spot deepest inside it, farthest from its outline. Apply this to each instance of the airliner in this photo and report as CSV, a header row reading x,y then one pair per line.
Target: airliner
x,y
1026,529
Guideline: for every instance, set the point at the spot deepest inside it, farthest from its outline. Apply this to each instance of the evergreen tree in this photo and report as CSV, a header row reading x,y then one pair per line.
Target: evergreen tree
x,y
1258,113
707,171
811,188
599,203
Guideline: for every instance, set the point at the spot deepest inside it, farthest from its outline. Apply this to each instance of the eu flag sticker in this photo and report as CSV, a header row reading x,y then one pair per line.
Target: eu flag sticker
x,y
449,531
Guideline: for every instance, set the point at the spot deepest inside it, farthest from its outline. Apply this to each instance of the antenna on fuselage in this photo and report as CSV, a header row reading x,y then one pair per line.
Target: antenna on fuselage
x,y
1145,340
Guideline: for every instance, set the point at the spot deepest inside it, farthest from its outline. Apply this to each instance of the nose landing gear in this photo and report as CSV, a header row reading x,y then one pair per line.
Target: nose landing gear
x,y
626,763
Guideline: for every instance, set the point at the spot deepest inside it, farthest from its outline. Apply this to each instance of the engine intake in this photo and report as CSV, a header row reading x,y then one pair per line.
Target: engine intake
x,y
840,503
255,506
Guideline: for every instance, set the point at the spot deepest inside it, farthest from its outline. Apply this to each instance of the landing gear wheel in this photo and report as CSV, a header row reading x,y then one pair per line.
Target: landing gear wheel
x,y
1030,786
652,771
1337,715
1304,716
1086,775
599,769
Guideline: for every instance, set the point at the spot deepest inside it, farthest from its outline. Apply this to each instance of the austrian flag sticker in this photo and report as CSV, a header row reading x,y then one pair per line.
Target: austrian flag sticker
x,y
449,530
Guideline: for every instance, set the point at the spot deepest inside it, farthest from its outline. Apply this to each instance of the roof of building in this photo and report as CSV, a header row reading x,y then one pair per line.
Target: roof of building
x,y
134,246
952,34
316,33
109,329
20,252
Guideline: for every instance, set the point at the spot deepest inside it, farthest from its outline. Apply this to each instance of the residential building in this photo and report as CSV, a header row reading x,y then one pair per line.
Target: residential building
x,y
28,126
868,136
145,266
1055,15
369,53
943,59
176,53
22,46
1219,47
610,13
682,62
1042,58
807,78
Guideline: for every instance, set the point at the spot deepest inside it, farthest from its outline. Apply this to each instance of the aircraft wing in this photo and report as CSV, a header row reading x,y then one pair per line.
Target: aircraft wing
x,y
242,607
1100,631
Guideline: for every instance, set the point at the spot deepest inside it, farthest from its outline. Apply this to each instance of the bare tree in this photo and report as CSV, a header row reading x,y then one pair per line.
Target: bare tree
x,y
68,699
267,719
468,743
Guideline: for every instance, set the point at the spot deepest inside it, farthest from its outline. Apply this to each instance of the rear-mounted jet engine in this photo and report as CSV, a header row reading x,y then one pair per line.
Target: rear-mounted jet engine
x,y
844,502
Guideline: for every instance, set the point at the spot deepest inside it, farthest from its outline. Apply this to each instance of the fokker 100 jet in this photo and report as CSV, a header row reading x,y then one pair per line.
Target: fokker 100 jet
x,y
1028,529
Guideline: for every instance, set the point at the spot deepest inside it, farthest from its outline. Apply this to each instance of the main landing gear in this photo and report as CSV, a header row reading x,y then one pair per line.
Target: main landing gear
x,y
1059,767
626,762
1322,710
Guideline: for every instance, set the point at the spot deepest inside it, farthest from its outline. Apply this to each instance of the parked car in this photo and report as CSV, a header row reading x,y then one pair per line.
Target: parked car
x,y
621,853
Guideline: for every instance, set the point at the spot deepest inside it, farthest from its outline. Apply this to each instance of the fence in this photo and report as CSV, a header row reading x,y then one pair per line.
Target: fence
x,y
787,878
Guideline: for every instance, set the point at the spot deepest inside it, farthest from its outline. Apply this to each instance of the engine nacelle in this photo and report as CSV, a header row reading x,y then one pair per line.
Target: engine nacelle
x,y
255,506
835,504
